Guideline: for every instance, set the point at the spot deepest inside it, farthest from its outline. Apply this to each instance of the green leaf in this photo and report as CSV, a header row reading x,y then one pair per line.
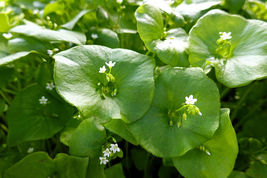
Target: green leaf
x,y
248,59
35,165
70,25
222,148
233,5
95,170
4,22
7,74
121,128
193,9
33,30
35,121
27,44
149,22
87,139
70,166
154,131
114,171
133,74
170,46
172,50
108,38
13,57
54,7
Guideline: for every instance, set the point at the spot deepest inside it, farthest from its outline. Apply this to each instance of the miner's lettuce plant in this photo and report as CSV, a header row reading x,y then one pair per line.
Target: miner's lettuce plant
x,y
120,88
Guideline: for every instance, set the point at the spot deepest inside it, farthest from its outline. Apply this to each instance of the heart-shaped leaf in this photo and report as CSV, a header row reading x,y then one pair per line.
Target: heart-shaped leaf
x,y
157,134
78,80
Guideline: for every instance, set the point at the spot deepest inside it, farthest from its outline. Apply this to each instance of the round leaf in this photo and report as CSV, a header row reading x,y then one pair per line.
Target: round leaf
x,y
153,131
248,61
223,149
77,77
35,121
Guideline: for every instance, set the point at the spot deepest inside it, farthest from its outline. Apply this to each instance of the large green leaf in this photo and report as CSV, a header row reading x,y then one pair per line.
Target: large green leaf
x,y
70,166
170,46
35,165
87,139
153,131
133,74
222,148
108,38
35,121
248,61
36,31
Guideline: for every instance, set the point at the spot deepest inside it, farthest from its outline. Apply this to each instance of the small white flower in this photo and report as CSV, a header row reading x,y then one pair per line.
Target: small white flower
x,y
102,70
119,1
114,148
35,11
50,52
7,35
50,86
199,113
106,153
110,64
103,160
190,100
43,100
30,150
225,36
94,36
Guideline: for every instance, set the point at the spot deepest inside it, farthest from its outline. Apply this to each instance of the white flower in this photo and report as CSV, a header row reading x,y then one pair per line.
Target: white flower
x,y
43,100
35,11
94,36
107,153
103,160
110,64
30,150
7,35
199,113
114,148
190,100
50,86
102,69
225,36
50,52
119,1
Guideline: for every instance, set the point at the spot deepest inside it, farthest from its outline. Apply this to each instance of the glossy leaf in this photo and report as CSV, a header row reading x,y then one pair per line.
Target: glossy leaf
x,y
87,139
154,132
248,61
13,57
35,121
133,74
36,31
222,148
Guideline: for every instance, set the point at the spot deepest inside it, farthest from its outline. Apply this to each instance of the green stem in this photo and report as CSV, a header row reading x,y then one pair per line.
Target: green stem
x,y
4,97
179,109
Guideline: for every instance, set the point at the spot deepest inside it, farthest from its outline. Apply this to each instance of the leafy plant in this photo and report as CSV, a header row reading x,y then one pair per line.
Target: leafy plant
x,y
127,88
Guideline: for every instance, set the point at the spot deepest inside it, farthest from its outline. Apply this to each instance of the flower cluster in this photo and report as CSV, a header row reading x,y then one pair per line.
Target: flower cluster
x,y
224,49
114,148
110,64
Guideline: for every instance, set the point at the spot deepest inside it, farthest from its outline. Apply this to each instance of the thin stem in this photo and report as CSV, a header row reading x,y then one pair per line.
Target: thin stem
x,y
4,97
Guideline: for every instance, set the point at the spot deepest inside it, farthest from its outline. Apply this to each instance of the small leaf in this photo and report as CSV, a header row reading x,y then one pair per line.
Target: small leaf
x,y
70,25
